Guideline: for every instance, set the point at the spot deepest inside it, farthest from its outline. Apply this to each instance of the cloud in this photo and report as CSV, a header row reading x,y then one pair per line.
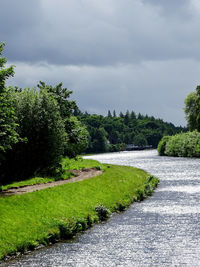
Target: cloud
x,y
114,54
94,32
155,88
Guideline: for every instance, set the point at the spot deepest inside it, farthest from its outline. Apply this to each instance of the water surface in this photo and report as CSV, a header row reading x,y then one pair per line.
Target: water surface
x,y
163,230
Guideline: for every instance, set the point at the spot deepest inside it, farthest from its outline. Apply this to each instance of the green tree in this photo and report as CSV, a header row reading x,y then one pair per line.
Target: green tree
x,y
8,134
62,97
114,114
77,137
77,133
192,109
41,125
140,140
109,114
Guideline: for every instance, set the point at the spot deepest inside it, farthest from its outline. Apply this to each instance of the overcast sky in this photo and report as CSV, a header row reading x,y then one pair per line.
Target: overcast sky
x,y
141,55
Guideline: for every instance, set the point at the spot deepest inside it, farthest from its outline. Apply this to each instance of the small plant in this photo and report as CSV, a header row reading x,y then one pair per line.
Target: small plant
x,y
67,228
140,195
102,212
90,220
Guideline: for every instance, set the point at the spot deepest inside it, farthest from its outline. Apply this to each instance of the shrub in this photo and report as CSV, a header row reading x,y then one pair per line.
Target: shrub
x,y
102,212
162,145
181,145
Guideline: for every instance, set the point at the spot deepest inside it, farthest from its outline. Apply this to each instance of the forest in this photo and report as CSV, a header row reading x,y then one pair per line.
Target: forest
x,y
114,132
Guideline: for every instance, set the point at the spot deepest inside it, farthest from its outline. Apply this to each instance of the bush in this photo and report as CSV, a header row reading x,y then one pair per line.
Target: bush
x,y
181,145
162,145
102,212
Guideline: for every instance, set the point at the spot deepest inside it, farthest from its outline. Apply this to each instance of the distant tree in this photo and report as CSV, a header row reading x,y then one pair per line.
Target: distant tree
x,y
121,115
100,143
114,114
109,114
132,115
8,134
140,116
192,109
77,112
127,118
140,140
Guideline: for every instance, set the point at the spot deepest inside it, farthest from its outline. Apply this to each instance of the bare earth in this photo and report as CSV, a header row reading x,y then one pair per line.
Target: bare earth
x,y
79,176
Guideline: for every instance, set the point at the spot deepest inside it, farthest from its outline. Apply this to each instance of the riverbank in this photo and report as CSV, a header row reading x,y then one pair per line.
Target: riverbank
x,y
59,212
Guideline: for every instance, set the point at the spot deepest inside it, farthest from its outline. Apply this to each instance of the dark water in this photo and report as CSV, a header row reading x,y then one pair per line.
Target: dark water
x,y
164,230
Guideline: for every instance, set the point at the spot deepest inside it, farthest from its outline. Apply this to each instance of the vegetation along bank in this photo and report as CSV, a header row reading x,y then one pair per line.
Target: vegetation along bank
x,y
185,144
49,215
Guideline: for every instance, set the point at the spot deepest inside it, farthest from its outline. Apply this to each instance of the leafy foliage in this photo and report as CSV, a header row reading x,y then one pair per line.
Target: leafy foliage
x,y
8,134
41,125
162,145
113,133
77,137
192,109
77,134
181,145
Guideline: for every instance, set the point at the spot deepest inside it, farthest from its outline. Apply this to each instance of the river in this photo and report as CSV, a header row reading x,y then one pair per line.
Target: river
x,y
163,230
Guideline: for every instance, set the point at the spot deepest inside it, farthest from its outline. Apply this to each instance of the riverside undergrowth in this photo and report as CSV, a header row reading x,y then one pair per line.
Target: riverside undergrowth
x,y
49,215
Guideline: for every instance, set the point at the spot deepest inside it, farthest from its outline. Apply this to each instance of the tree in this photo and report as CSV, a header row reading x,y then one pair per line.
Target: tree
x,y
40,123
127,117
62,97
77,133
109,114
140,140
192,109
8,134
77,137
114,114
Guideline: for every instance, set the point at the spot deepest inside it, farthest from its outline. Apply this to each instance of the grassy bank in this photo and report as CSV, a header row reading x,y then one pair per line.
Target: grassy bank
x,y
46,216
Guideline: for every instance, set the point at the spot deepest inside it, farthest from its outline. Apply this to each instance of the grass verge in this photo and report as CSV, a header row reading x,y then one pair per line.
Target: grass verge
x,y
56,213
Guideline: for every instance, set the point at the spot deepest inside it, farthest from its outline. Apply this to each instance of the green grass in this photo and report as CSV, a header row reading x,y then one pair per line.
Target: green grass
x,y
67,164
48,215
80,163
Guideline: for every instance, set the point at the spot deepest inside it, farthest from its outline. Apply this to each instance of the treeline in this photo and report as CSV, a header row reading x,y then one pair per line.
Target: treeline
x,y
114,132
37,128
185,144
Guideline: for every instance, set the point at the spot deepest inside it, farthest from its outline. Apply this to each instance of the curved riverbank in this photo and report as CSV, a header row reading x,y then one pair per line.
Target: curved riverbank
x,y
56,213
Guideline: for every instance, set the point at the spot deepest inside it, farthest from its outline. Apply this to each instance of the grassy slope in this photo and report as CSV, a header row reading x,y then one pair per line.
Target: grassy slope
x,y
30,219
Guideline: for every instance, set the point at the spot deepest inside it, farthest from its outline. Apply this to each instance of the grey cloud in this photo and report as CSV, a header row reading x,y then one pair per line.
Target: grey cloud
x,y
114,54
153,88
97,32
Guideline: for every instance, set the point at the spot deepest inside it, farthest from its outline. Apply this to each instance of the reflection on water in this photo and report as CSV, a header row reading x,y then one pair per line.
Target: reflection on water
x,y
164,230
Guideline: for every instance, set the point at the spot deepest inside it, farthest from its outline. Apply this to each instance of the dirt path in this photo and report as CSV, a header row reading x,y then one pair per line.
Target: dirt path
x,y
79,176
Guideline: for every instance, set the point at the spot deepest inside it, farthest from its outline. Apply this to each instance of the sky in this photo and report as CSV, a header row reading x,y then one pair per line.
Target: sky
x,y
140,55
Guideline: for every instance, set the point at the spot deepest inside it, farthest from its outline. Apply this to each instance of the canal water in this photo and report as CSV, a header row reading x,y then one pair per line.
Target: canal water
x,y
163,230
